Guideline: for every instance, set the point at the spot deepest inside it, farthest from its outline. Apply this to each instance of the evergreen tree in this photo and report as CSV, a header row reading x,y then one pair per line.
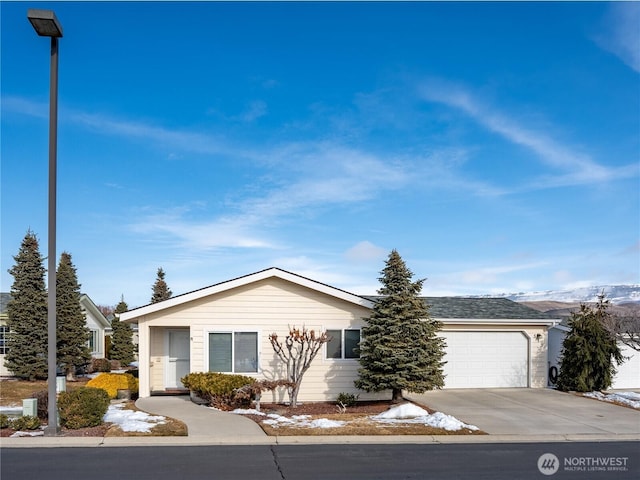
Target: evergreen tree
x,y
588,350
160,289
27,313
400,349
122,348
72,333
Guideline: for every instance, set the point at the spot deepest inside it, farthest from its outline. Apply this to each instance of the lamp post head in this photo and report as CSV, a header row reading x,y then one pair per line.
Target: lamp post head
x,y
45,22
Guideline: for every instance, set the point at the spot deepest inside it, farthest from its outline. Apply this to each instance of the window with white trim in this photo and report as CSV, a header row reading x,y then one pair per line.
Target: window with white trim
x,y
343,343
4,337
233,352
92,343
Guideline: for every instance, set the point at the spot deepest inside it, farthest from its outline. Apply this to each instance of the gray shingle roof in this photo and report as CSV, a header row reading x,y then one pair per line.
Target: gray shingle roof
x,y
479,308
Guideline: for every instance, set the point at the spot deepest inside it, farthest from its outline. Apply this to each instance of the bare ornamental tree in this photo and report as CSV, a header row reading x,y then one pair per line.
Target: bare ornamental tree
x,y
298,351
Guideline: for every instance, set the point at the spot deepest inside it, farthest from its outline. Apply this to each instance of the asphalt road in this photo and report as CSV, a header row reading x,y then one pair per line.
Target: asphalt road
x,y
327,462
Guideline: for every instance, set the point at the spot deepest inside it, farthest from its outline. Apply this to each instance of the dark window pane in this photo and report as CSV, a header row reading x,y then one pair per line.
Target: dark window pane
x,y
220,352
246,352
351,341
334,346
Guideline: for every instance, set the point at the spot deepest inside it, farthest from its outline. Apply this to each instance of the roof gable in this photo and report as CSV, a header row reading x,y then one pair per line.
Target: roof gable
x,y
131,315
87,304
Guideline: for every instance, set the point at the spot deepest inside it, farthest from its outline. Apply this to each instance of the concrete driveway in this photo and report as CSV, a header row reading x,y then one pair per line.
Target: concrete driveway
x,y
531,411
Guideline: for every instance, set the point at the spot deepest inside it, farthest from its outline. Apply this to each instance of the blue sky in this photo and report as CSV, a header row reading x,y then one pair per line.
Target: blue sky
x,y
496,146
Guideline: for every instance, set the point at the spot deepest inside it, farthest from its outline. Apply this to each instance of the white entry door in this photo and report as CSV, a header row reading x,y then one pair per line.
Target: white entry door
x,y
178,358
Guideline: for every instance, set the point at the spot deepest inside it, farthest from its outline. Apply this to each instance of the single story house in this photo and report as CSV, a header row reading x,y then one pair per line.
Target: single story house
x,y
225,328
627,375
96,323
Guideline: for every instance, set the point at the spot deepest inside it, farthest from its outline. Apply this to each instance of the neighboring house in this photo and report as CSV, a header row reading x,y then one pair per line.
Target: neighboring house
x,y
225,328
627,375
96,322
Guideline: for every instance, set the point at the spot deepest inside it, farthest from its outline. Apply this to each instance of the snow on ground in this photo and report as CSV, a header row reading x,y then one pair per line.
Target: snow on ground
x,y
410,413
401,414
131,420
20,433
631,399
11,411
301,421
246,411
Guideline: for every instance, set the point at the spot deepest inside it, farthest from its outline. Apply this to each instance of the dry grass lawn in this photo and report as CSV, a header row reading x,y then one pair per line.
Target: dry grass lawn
x,y
12,392
358,418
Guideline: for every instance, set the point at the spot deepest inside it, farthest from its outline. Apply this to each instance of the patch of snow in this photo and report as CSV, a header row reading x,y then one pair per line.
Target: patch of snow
x,y
326,423
406,410
631,399
247,411
20,433
410,413
302,421
132,421
11,410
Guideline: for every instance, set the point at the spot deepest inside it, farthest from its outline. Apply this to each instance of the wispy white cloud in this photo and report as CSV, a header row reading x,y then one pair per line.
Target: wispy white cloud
x,y
25,107
254,110
176,228
577,167
621,35
365,251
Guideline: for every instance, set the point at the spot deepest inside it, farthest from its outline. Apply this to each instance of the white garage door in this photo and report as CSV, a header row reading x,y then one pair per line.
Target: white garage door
x,y
486,359
628,375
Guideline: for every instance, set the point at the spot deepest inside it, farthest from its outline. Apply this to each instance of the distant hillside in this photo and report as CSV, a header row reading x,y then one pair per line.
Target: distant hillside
x,y
617,294
564,309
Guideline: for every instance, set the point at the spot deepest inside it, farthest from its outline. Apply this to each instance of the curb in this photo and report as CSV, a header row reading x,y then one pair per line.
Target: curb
x,y
91,442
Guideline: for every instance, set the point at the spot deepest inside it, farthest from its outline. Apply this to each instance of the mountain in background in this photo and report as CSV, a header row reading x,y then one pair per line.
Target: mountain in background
x,y
625,299
617,294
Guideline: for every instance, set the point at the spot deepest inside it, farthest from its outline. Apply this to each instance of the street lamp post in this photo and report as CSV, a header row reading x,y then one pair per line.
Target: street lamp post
x,y
46,24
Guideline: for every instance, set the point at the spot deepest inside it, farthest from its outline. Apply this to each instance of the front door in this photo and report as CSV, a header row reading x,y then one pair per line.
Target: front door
x,y
178,358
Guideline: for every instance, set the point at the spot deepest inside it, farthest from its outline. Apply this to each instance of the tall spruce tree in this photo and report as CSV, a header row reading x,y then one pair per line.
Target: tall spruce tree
x,y
160,289
72,333
27,313
589,350
122,348
400,349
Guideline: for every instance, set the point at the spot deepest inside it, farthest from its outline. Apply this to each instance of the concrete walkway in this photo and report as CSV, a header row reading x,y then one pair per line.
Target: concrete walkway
x,y
532,411
202,421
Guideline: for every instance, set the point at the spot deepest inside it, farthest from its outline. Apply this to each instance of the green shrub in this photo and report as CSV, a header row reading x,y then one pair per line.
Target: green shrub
x,y
4,421
100,365
347,399
83,407
25,423
42,396
219,389
112,382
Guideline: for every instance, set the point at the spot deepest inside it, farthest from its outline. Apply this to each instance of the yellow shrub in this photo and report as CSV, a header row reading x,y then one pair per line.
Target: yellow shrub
x,y
112,382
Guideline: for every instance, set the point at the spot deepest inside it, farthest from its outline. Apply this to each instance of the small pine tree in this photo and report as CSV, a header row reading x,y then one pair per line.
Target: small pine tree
x,y
400,349
27,313
588,350
160,289
72,333
122,348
